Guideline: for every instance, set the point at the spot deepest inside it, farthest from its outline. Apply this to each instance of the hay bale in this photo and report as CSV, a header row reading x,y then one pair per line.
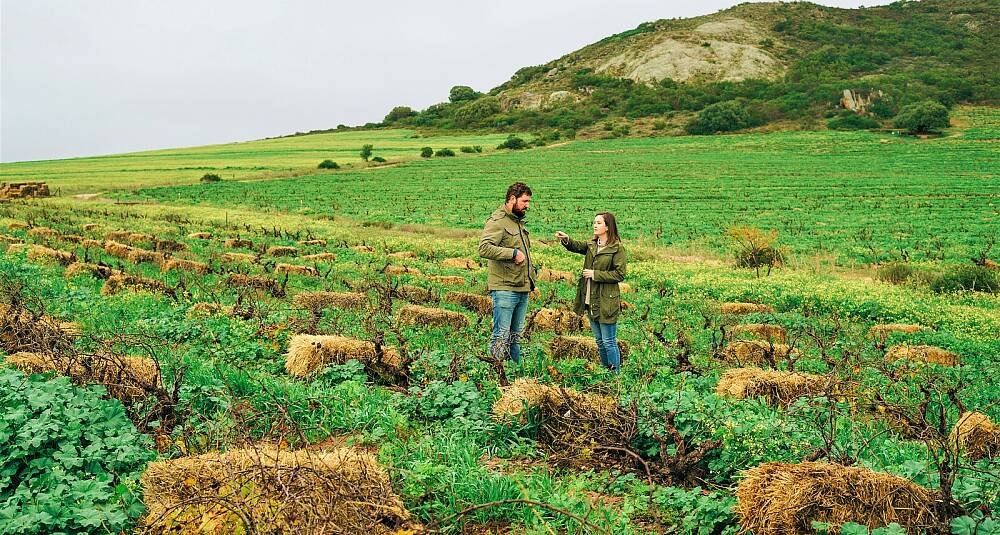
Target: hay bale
x,y
745,308
585,347
459,263
756,352
760,331
883,331
296,269
23,330
169,246
431,317
624,287
126,378
559,320
282,250
784,499
71,238
44,254
340,490
115,248
554,275
238,243
480,304
138,256
42,232
90,226
139,237
204,310
117,235
313,242
402,254
416,294
449,280
119,282
88,243
515,399
320,257
238,257
95,270
776,387
400,270
200,236
976,435
9,239
318,301
363,249
922,353
15,248
17,225
311,353
254,282
184,265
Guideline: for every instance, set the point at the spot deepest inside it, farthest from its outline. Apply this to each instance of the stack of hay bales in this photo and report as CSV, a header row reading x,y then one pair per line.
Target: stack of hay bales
x,y
311,353
22,330
169,245
282,250
254,282
785,499
200,236
319,301
416,294
184,265
128,379
90,226
431,317
776,387
480,304
459,263
448,280
41,253
320,257
132,254
340,490
563,347
363,249
976,435
295,269
559,320
117,235
554,275
95,270
739,309
321,243
760,331
922,353
401,270
881,333
238,243
89,243
119,282
42,232
17,225
239,257
71,238
570,421
756,352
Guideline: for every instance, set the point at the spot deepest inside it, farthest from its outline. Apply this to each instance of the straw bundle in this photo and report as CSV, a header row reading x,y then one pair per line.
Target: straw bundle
x,y
9,239
416,294
88,243
296,269
554,275
624,287
313,242
139,237
17,225
119,282
128,379
117,235
922,353
90,226
115,248
71,238
745,308
760,331
17,248
756,352
200,236
480,304
238,257
282,250
42,232
254,282
311,353
204,310
459,263
976,435
776,387
169,245
585,347
431,317
401,270
138,256
238,243
883,331
95,270
784,499
184,265
318,301
363,249
44,254
559,320
449,280
341,490
22,330
320,257
402,254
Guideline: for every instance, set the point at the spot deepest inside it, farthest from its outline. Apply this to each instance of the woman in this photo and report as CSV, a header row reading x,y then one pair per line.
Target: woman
x,y
598,296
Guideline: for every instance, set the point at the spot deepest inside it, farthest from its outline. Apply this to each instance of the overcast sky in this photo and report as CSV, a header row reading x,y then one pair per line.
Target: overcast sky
x,y
89,77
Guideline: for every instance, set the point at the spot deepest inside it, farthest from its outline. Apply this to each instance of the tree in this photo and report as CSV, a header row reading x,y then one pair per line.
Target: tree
x,y
426,152
724,116
513,143
398,113
462,93
444,152
328,164
366,151
922,117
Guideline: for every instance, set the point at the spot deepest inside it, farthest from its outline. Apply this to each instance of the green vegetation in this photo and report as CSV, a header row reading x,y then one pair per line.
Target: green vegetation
x,y
366,151
426,152
852,121
328,164
922,117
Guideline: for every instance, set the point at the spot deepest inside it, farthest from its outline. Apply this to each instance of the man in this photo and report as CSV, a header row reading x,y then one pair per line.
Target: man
x,y
507,247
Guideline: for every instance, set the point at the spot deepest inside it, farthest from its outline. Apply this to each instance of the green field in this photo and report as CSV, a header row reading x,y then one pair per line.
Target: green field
x,y
71,458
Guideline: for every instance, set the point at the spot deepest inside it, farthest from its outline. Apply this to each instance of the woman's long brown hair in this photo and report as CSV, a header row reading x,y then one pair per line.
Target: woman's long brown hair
x,y
609,220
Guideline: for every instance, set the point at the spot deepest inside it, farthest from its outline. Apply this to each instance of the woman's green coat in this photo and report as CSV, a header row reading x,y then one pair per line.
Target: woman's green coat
x,y
609,270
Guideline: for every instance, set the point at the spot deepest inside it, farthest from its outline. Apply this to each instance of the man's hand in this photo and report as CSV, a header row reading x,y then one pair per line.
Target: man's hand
x,y
588,273
562,236
519,257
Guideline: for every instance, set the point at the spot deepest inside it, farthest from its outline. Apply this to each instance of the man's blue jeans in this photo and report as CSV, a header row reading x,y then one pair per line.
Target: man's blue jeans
x,y
509,309
605,334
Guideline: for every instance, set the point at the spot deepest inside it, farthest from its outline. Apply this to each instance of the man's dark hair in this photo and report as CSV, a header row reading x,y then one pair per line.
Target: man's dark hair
x,y
516,190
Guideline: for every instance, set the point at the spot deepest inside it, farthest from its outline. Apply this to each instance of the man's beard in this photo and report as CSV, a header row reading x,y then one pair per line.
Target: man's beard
x,y
517,213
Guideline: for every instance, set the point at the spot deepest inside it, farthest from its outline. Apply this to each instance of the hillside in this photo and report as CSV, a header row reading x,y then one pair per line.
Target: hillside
x,y
788,62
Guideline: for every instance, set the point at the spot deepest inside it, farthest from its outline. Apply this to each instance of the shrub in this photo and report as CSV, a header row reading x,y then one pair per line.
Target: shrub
x,y
724,116
466,149
477,148
71,460
328,164
851,121
967,277
366,151
754,248
426,152
462,93
211,177
659,124
895,272
399,112
444,152
378,159
922,117
513,143
439,400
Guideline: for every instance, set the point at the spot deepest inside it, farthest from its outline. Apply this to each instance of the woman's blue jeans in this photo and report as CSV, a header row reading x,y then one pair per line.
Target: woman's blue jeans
x,y
509,309
605,334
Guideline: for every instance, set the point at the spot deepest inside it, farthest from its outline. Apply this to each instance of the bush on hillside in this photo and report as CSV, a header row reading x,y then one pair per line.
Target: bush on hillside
x,y
895,272
851,121
513,143
426,152
398,113
328,164
444,152
725,116
462,93
378,159
366,151
967,277
922,117
211,177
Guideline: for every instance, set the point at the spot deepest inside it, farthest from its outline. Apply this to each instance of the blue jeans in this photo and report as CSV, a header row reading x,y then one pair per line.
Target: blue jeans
x,y
605,334
509,309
